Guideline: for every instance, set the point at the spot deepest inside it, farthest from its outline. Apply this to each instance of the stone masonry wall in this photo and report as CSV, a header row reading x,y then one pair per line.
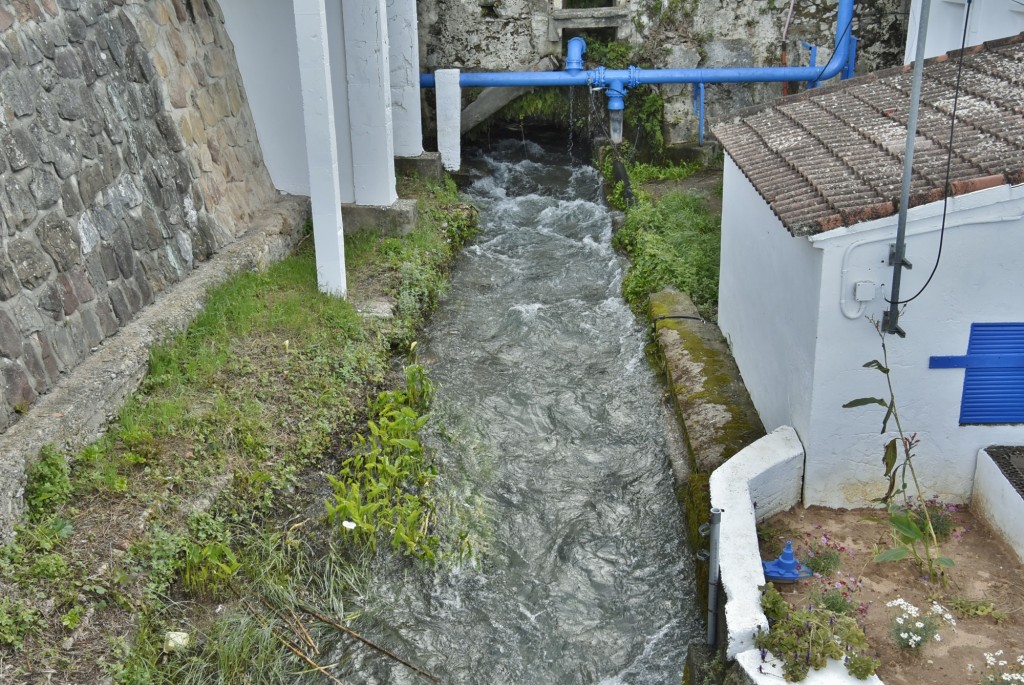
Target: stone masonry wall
x,y
509,34
127,155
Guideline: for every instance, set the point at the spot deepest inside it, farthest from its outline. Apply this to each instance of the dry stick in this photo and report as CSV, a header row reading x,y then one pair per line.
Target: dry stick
x,y
368,643
299,653
304,633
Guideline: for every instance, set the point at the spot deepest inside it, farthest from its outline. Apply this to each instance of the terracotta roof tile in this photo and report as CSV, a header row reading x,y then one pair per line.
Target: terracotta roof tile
x,y
833,156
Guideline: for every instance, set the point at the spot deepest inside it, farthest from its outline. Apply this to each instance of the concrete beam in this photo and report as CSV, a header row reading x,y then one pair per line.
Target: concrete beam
x,y
404,56
369,95
321,143
491,100
448,94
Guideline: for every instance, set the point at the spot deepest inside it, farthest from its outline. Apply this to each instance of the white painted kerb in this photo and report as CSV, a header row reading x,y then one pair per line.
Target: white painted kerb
x,y
768,472
761,480
998,502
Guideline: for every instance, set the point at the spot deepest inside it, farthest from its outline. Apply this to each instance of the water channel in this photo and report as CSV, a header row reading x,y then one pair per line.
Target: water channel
x,y
550,428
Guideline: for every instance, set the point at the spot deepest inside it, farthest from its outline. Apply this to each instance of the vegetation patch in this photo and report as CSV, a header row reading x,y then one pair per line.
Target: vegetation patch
x,y
191,544
672,243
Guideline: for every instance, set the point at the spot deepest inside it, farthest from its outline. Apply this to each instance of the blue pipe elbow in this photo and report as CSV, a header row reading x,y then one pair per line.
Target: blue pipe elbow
x,y
574,55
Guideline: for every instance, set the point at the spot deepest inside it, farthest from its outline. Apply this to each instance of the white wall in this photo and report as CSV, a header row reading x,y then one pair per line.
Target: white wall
x,y
768,304
263,32
990,19
999,503
979,280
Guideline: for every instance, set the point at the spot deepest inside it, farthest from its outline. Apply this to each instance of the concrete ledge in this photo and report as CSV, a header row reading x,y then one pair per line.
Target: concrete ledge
x,y
427,165
396,219
77,409
761,480
998,502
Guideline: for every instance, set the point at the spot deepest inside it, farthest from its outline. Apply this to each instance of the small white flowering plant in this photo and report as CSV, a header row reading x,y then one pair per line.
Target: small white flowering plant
x,y
911,629
999,670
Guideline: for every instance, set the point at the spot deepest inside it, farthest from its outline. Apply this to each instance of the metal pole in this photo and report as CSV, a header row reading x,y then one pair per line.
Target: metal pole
x,y
897,256
716,522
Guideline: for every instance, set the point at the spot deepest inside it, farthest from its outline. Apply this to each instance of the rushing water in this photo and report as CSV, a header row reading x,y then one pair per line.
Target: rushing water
x,y
550,425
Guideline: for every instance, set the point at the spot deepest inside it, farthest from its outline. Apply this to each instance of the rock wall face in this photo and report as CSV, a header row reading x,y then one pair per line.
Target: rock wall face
x,y
510,34
127,155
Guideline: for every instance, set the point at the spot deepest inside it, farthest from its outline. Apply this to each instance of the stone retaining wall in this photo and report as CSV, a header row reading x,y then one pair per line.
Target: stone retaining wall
x,y
127,155
491,35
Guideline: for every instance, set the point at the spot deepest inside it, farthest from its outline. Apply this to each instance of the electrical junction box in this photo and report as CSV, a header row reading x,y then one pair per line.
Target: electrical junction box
x,y
863,291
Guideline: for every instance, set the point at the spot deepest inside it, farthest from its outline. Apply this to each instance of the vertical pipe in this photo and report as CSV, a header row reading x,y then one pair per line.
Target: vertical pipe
x,y
891,318
716,524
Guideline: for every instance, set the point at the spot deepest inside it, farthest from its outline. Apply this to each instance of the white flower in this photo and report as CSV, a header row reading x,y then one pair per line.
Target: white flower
x,y
348,525
919,624
899,619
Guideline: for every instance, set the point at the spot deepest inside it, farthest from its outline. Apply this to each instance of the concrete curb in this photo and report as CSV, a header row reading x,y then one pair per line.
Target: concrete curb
x,y
77,409
762,480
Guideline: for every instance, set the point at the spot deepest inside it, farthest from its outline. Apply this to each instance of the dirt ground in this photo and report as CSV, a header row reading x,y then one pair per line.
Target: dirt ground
x,y
985,569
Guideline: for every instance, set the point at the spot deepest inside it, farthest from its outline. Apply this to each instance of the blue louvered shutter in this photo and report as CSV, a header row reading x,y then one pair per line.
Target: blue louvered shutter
x,y
994,374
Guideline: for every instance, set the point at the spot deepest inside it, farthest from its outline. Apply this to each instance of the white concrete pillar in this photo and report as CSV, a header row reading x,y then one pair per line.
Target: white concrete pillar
x,y
369,96
448,96
321,144
342,122
405,78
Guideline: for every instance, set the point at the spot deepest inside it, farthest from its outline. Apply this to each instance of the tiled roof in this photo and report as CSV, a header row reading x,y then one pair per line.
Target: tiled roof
x,y
833,156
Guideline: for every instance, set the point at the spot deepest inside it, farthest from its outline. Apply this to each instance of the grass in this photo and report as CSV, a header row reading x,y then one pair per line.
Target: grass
x,y
201,509
671,243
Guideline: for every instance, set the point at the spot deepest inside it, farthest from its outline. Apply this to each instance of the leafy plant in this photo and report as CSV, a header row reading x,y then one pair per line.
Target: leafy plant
x,y
999,670
970,608
381,489
913,533
806,639
48,484
838,596
821,553
16,620
911,629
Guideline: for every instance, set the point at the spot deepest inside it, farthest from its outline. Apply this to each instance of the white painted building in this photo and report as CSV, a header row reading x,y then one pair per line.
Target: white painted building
x,y
809,214
988,20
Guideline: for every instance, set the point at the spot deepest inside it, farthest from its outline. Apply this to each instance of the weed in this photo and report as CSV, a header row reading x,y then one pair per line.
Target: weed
x,y
911,629
674,243
999,670
838,596
806,639
909,526
821,553
968,608
16,620
48,483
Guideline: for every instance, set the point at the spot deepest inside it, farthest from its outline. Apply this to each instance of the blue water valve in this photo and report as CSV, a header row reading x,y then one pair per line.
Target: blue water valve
x,y
785,569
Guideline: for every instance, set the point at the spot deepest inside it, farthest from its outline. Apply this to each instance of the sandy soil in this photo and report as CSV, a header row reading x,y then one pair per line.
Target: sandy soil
x,y
985,569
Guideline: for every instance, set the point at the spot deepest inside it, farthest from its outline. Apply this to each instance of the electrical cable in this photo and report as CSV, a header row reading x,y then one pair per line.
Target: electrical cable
x,y
849,27
949,161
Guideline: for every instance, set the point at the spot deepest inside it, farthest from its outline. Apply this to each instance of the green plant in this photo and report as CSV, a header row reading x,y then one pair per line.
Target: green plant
x,y
806,639
48,483
912,531
672,243
17,619
911,629
838,596
999,670
381,488
968,608
73,617
821,553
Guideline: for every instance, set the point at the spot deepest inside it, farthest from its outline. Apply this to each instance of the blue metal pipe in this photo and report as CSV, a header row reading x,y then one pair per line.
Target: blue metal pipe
x,y
632,77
